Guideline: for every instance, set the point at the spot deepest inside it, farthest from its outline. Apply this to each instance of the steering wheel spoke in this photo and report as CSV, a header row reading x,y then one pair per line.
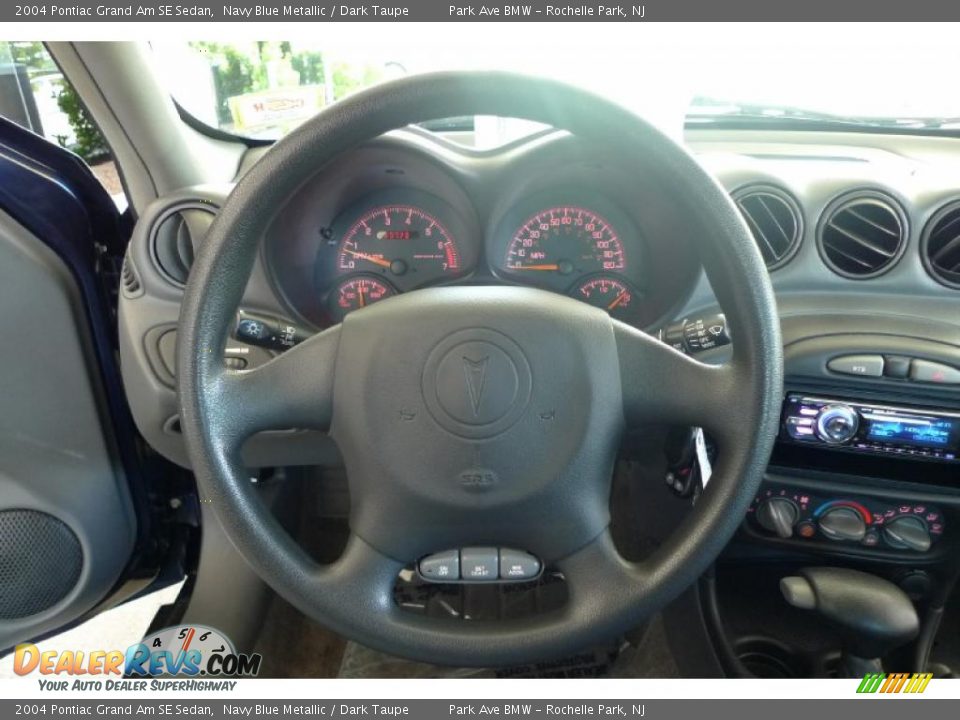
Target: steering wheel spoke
x,y
662,385
292,391
361,571
598,565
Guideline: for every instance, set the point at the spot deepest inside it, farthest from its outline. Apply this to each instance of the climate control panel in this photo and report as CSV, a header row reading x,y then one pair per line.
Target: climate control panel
x,y
785,512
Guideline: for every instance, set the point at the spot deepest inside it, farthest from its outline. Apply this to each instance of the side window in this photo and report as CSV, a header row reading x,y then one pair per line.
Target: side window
x,y
36,95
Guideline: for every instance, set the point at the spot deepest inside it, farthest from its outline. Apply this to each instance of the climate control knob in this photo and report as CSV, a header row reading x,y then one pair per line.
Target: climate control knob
x,y
843,523
907,533
837,424
778,515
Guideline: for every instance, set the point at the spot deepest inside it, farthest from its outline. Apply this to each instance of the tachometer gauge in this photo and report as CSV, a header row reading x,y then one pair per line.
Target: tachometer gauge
x,y
356,293
399,241
562,241
607,293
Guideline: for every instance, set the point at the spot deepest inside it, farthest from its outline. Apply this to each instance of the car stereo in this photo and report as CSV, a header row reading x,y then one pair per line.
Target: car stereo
x,y
856,426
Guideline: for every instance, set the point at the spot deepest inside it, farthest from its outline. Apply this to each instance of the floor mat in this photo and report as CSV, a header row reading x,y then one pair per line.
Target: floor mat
x,y
294,646
651,658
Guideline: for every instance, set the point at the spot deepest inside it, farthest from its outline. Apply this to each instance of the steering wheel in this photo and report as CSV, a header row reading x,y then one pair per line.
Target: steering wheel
x,y
529,390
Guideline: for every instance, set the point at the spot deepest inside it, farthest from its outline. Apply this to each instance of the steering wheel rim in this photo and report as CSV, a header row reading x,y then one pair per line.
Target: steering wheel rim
x,y
628,378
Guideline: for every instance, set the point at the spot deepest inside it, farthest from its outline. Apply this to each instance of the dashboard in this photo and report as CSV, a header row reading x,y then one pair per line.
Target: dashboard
x,y
856,230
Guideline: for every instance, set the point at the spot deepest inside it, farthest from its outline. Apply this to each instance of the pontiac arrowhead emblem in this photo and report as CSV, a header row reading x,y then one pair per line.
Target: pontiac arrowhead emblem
x,y
476,383
475,372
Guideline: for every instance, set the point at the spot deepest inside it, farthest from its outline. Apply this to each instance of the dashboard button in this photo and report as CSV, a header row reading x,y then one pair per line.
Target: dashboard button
x,y
232,362
517,565
865,365
926,371
441,567
480,564
896,366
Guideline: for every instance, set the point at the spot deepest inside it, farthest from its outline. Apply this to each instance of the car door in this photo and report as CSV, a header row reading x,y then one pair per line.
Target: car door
x,y
81,522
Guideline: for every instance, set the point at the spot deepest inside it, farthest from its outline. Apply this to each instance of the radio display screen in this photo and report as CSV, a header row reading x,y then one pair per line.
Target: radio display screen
x,y
914,431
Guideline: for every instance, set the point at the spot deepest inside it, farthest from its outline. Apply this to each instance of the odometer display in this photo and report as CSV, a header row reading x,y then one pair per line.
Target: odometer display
x,y
565,240
401,242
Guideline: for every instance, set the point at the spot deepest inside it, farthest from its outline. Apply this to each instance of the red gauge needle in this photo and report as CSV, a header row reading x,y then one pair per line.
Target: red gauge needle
x,y
536,267
363,302
372,258
617,300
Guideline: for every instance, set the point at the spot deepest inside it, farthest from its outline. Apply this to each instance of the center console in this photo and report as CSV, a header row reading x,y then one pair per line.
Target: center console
x,y
865,477
857,518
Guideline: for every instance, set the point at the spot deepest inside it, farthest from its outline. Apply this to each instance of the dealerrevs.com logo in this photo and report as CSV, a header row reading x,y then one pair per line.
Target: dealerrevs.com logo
x,y
182,651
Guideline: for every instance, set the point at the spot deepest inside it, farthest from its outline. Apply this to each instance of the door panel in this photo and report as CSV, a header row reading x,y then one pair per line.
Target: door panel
x,y
67,525
71,512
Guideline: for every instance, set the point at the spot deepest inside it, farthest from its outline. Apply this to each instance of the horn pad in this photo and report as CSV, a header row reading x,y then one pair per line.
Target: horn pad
x,y
476,383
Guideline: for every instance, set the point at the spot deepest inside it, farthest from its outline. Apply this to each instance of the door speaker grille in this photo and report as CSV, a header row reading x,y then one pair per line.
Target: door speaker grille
x,y
40,562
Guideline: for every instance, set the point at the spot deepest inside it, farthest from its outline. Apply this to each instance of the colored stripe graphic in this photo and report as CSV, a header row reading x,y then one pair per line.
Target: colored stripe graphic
x,y
894,683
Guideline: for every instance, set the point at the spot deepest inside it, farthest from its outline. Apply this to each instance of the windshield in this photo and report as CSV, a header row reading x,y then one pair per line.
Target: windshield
x,y
264,89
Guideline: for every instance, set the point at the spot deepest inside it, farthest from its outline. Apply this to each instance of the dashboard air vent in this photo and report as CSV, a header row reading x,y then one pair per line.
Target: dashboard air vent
x,y
774,219
862,235
940,246
176,236
130,280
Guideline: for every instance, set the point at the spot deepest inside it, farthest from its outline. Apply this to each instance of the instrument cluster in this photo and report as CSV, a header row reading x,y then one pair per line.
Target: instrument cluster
x,y
401,240
410,211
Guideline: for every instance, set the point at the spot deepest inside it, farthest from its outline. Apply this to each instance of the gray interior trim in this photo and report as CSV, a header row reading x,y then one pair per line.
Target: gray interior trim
x,y
56,455
156,151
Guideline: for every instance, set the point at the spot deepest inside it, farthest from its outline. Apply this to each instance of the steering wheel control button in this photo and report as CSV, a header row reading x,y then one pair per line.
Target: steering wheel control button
x,y
863,365
441,567
480,564
518,565
932,372
477,383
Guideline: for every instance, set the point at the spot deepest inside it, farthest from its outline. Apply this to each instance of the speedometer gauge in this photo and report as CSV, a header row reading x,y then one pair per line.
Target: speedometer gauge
x,y
397,241
566,240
